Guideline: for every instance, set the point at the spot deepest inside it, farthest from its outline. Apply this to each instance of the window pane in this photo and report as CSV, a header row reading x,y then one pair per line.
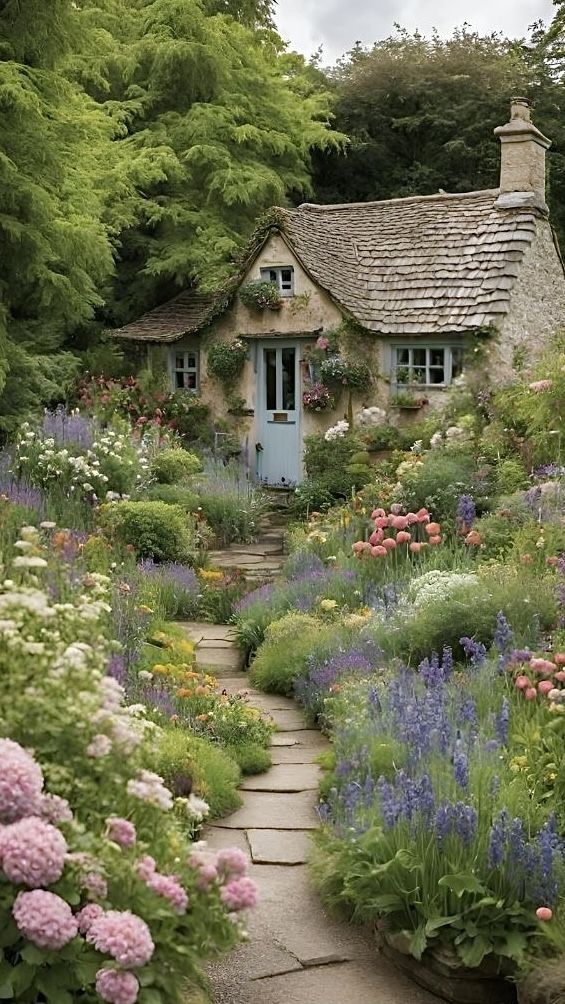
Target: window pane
x,y
286,280
289,379
179,362
178,380
402,374
456,363
419,374
271,378
419,357
437,374
437,357
402,357
191,361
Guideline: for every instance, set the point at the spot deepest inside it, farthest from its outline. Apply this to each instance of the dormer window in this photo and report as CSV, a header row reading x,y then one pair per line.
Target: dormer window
x,y
283,277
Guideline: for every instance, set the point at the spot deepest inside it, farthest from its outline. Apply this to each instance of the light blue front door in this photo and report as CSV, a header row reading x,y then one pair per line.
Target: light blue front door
x,y
278,401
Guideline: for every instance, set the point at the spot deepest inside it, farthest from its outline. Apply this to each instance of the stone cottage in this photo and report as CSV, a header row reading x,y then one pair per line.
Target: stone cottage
x,y
407,283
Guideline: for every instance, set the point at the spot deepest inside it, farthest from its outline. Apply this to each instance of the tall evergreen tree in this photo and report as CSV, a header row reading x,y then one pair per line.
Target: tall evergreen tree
x,y
54,249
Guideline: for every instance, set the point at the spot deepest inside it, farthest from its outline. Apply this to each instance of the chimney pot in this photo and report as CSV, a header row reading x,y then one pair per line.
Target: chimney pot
x,y
523,146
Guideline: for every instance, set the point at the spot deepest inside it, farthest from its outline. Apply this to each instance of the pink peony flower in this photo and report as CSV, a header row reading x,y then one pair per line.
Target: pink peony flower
x,y
432,529
86,917
358,547
239,894
21,782
544,913
116,987
33,852
412,518
545,686
376,513
389,543
403,537
416,547
559,658
55,809
381,522
232,861
169,887
530,694
379,551
121,831
436,539
44,919
560,676
376,537
122,935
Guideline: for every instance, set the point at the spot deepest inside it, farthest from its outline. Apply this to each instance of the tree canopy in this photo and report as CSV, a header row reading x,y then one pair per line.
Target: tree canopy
x,y
420,114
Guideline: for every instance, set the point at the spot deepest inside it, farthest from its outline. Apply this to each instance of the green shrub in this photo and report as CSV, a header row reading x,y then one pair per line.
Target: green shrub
x,y
439,481
260,295
509,476
172,466
226,360
527,601
181,757
251,758
232,507
153,529
284,653
186,498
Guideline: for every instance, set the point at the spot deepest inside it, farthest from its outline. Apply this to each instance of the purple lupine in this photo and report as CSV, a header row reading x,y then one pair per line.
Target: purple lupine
x,y
442,822
117,668
502,722
497,840
474,650
389,805
461,767
465,822
466,511
302,563
503,633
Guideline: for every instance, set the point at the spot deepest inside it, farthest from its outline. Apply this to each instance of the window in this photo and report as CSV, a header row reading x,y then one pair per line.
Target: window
x,y
282,277
185,371
426,366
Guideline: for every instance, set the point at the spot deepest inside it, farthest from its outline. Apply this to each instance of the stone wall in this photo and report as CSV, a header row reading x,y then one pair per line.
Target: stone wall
x,y
537,306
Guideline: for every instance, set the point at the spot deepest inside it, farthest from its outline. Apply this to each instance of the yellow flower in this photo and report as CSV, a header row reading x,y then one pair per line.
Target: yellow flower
x,y
144,609
210,574
328,604
518,763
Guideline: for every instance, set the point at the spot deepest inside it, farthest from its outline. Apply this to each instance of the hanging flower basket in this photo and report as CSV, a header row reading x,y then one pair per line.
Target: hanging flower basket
x,y
336,371
226,360
317,397
261,296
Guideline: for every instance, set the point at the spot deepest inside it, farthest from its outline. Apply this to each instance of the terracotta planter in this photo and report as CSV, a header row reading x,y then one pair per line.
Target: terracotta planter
x,y
441,973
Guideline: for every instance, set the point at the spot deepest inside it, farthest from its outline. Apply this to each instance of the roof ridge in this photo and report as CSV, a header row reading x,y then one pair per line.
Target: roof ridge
x,y
439,196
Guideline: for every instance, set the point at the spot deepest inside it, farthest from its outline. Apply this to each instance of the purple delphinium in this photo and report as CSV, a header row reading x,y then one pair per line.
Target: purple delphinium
x,y
455,818
323,673
117,668
498,839
302,563
160,699
466,511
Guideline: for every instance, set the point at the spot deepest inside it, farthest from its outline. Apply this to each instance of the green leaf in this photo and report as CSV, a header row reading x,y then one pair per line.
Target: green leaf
x,y
150,996
512,944
460,884
406,859
418,942
434,923
35,956
473,952
386,903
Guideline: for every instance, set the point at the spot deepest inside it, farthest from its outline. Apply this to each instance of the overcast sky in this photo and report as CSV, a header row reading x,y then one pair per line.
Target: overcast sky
x,y
338,24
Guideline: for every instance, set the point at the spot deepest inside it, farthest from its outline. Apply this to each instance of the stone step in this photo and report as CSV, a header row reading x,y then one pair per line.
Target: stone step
x,y
286,777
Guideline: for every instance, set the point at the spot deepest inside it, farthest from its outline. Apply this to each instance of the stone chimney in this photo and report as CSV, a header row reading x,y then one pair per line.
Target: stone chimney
x,y
522,167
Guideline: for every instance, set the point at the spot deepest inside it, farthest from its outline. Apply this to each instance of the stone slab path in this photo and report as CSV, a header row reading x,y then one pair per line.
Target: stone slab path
x,y
297,953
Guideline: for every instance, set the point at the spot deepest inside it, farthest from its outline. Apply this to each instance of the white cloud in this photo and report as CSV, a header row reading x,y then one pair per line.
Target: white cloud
x,y
338,24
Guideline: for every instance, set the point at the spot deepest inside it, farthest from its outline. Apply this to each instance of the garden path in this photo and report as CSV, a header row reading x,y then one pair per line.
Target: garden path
x,y
296,953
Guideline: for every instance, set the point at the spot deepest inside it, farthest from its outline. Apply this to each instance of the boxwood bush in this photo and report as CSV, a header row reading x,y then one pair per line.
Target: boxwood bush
x,y
153,529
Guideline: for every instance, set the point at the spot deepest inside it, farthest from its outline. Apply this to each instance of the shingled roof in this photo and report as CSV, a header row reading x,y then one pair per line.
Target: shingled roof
x,y
187,312
419,265
422,265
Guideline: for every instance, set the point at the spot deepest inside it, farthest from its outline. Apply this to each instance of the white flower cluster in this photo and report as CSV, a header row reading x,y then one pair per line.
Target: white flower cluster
x,y
85,472
149,787
438,585
372,416
337,431
455,435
